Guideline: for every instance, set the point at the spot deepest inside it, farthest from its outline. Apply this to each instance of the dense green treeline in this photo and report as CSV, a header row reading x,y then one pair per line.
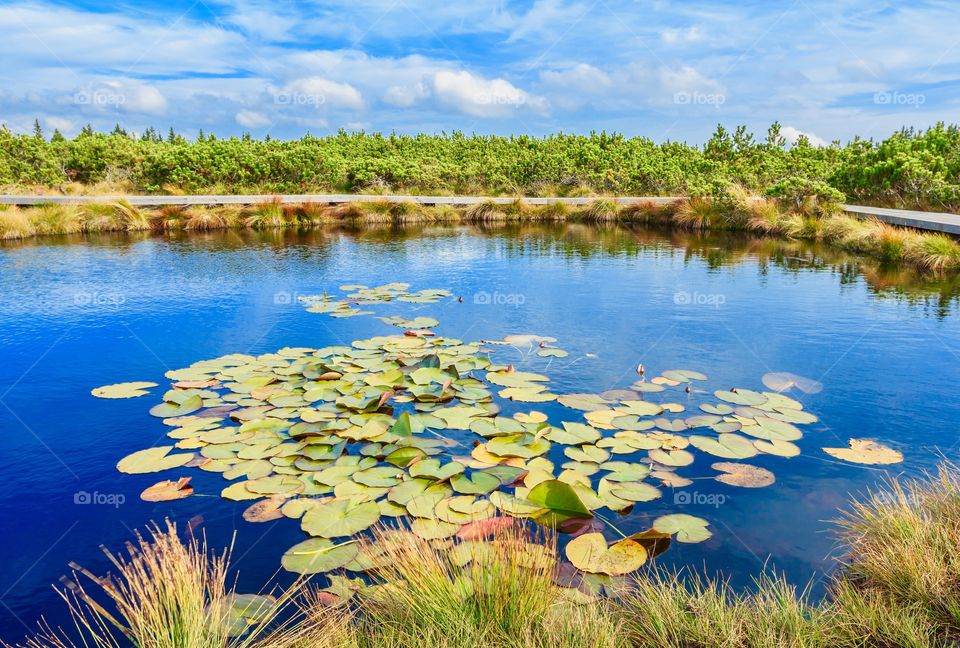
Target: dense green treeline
x,y
910,168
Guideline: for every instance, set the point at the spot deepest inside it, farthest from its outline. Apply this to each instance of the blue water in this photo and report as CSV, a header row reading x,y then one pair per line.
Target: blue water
x,y
76,314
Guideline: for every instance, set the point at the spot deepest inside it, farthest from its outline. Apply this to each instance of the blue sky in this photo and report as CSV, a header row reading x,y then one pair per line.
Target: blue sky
x,y
664,69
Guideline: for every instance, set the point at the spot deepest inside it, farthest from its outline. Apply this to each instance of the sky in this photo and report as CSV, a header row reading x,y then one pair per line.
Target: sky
x,y
668,70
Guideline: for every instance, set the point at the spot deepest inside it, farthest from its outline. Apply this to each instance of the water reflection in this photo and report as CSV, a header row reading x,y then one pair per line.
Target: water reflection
x,y
936,296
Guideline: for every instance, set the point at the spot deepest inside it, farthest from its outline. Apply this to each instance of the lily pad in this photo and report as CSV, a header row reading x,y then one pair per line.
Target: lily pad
x,y
123,390
152,460
589,552
865,451
340,517
745,475
318,555
167,491
687,528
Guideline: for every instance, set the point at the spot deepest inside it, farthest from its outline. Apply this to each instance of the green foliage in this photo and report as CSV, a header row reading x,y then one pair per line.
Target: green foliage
x,y
910,168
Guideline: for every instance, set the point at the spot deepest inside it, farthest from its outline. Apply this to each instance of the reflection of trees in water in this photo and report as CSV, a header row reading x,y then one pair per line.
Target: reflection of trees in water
x,y
716,249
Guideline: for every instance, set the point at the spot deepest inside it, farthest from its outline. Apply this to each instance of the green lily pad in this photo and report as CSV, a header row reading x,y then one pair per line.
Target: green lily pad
x,y
318,555
152,460
340,517
432,469
687,528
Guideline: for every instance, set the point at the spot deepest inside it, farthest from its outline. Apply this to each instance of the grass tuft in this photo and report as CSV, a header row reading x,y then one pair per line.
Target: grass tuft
x,y
603,210
15,224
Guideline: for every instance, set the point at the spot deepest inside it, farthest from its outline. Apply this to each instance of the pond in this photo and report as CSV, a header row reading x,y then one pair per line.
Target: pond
x,y
78,313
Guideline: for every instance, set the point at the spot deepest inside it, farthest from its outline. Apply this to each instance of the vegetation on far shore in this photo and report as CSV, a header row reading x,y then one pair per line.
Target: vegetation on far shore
x,y
734,210
896,586
916,169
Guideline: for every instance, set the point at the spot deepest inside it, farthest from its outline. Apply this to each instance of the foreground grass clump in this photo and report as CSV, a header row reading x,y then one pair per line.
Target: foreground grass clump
x,y
166,593
897,587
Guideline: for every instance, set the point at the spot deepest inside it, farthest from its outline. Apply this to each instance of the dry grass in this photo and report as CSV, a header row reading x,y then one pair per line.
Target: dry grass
x,y
266,215
697,213
165,593
15,224
486,211
602,210
736,210
904,542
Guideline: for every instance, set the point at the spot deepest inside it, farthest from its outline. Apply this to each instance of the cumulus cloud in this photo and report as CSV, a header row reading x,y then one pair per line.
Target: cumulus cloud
x,y
480,97
65,126
252,119
121,95
791,135
405,96
317,91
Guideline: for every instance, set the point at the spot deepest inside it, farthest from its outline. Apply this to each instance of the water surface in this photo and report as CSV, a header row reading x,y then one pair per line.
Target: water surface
x,y
82,312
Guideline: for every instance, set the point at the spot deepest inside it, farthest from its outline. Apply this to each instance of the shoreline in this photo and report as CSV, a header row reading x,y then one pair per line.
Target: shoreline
x,y
928,252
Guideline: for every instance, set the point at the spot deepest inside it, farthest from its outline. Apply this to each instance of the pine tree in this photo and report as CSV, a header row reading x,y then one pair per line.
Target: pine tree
x,y
37,131
57,136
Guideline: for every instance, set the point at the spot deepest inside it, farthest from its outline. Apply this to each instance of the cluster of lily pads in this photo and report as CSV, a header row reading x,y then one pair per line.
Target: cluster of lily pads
x,y
411,427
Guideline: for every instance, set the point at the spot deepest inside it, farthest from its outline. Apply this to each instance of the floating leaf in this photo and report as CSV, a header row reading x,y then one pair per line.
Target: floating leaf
x,y
741,397
687,528
478,483
167,491
152,460
123,390
864,451
265,510
560,498
745,475
318,555
431,468
671,457
589,552
780,381
778,448
340,517
727,446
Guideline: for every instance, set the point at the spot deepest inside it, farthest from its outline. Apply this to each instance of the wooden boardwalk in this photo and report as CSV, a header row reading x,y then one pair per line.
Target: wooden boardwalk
x,y
933,221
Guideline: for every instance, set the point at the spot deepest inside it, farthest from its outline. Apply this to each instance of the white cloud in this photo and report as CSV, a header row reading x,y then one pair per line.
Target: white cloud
x,y
791,135
65,126
251,119
479,97
405,96
317,91
582,77
673,36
